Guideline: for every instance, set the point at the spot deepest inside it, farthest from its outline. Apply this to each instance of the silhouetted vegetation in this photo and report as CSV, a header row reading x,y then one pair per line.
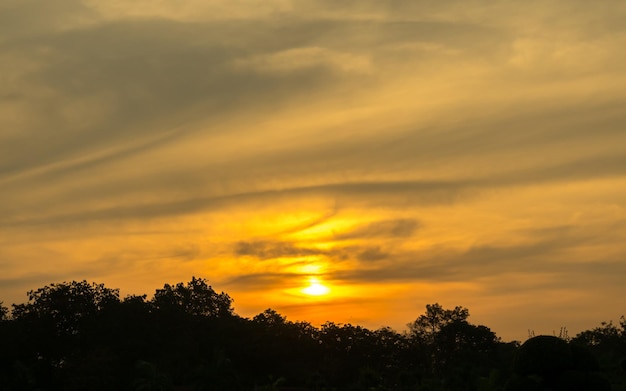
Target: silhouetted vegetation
x,y
82,336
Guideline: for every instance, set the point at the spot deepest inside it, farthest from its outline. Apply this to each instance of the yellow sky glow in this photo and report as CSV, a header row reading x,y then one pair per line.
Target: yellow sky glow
x,y
316,288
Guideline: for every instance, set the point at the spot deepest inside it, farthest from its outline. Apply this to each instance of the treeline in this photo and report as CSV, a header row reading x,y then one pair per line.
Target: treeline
x,y
83,336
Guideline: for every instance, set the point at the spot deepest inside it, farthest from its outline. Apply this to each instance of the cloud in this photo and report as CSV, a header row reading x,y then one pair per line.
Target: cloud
x,y
272,250
117,92
556,251
375,192
265,250
191,10
372,254
400,228
307,57
27,18
108,83
425,192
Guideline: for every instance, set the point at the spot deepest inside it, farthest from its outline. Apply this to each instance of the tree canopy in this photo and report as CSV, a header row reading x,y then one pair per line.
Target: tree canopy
x,y
78,335
196,297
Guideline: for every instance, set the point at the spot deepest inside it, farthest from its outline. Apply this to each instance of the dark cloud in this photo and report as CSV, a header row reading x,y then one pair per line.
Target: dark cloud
x,y
22,19
595,167
389,192
148,77
273,249
400,228
425,192
495,151
547,252
265,250
372,254
153,75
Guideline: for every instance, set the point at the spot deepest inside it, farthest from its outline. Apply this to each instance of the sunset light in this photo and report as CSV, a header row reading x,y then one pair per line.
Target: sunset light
x,y
341,161
316,288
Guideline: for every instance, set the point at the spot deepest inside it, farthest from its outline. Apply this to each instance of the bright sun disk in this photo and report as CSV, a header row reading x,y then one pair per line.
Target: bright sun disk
x,y
315,288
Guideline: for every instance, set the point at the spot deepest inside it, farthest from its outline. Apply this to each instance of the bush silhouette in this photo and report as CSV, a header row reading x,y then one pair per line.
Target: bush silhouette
x,y
550,363
544,356
582,358
581,381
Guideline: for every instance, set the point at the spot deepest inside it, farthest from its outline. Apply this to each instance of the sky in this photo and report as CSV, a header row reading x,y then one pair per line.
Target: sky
x,y
347,161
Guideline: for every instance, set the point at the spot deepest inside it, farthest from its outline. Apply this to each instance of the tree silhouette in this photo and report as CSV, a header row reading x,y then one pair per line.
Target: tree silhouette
x,y
197,298
149,378
4,312
216,374
269,318
606,333
57,333
551,363
426,326
67,306
79,335
607,343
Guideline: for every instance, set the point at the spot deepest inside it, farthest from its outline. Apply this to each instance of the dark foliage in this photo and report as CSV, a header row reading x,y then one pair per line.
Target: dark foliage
x,y
4,312
553,364
82,336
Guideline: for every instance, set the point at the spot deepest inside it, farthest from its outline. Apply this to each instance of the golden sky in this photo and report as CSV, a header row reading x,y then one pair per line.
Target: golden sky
x,y
384,154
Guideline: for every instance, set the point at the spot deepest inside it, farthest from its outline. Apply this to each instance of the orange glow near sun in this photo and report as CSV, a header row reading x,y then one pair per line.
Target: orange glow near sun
x,y
316,288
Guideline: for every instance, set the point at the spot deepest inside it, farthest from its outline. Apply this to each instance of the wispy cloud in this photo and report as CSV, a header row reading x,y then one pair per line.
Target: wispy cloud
x,y
386,228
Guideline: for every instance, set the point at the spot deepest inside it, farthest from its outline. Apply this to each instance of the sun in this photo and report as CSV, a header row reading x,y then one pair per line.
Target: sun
x,y
316,288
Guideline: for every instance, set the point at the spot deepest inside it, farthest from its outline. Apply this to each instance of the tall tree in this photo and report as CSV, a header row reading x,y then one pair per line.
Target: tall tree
x,y
59,335
66,305
197,297
426,327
